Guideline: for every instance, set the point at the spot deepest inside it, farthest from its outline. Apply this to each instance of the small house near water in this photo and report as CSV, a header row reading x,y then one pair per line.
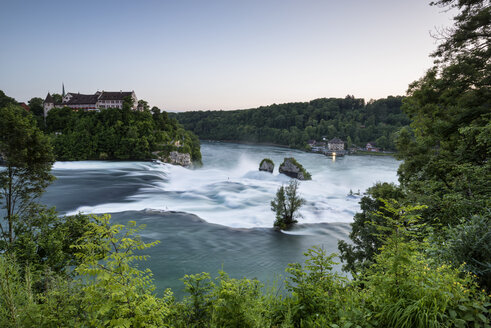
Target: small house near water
x,y
335,144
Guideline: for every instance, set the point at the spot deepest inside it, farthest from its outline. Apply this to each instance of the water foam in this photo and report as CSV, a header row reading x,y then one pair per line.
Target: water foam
x,y
229,190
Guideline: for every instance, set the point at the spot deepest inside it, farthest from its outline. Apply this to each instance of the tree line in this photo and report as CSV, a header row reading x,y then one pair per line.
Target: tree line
x,y
121,134
293,124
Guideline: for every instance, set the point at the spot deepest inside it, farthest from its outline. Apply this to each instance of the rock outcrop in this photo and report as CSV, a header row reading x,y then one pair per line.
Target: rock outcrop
x,y
176,158
266,165
294,169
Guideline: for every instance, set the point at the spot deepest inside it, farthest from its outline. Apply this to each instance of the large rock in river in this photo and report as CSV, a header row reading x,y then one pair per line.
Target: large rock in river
x,y
294,169
266,165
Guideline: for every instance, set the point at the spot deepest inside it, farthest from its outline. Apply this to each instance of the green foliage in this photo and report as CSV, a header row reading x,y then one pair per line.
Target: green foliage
x,y
36,106
12,292
121,134
405,288
28,157
143,104
365,238
199,301
286,205
446,152
293,124
227,302
6,100
315,288
469,244
57,98
119,294
128,103
238,303
43,241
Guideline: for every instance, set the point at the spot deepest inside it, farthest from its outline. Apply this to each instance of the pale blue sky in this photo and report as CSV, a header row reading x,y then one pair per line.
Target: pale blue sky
x,y
193,55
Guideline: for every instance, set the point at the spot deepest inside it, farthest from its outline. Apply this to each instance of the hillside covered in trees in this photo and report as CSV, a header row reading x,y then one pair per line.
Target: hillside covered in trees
x,y
293,124
112,133
121,134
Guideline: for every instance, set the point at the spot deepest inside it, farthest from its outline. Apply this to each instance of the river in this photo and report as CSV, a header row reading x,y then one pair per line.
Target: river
x,y
218,216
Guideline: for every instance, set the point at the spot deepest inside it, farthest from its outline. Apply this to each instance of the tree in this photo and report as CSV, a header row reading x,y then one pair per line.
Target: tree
x,y
469,244
43,242
315,287
128,103
406,288
286,205
36,106
6,100
28,158
143,104
446,152
57,98
366,239
120,293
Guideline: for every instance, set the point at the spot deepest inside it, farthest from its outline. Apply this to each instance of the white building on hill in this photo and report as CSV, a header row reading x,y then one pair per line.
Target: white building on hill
x,y
100,99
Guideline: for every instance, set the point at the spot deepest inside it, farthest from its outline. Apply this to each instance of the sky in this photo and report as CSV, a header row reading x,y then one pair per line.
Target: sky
x,y
184,55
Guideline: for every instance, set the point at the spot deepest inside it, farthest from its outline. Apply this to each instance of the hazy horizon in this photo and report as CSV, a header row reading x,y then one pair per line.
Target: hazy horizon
x,y
217,55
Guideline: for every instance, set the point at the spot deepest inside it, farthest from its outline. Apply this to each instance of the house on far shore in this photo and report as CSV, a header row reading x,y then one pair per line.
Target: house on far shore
x,y
335,144
100,99
371,147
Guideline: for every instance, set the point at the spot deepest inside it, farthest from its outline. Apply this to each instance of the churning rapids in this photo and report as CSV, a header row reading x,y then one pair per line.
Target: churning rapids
x,y
219,215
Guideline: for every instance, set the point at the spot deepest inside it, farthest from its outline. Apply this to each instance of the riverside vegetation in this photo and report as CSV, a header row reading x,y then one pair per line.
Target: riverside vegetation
x,y
293,124
419,257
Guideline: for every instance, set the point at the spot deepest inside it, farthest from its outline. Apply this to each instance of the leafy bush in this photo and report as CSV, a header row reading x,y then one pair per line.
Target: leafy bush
x,y
406,288
469,244
315,287
365,237
119,293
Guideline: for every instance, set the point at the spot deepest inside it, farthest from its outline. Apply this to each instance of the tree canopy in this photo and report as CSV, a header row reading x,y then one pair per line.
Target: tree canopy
x,y
286,205
445,151
293,124
117,134
28,157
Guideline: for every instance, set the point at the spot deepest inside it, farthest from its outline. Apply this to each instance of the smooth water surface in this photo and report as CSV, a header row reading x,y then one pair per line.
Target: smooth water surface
x,y
218,216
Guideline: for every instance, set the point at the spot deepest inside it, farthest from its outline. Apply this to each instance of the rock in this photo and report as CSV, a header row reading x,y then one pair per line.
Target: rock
x,y
176,158
293,169
266,165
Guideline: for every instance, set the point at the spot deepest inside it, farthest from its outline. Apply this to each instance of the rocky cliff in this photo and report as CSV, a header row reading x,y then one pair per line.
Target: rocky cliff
x,y
176,158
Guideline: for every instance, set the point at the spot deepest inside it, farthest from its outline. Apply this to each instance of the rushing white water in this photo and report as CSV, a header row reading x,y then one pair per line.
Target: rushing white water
x,y
229,190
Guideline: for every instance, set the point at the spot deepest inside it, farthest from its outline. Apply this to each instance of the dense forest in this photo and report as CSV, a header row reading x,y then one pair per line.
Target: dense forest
x,y
111,134
420,254
117,134
293,124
